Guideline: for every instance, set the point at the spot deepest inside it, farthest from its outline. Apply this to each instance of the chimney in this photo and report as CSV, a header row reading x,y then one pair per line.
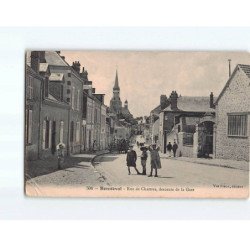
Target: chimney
x,y
35,61
163,101
76,66
173,100
93,90
211,100
42,56
84,74
63,57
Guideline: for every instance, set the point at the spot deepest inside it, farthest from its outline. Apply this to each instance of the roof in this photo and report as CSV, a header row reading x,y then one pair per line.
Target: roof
x,y
53,58
43,67
244,67
192,104
156,110
56,77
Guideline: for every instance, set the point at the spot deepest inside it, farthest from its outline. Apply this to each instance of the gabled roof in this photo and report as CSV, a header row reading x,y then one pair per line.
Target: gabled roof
x,y
53,58
244,67
156,110
56,77
192,104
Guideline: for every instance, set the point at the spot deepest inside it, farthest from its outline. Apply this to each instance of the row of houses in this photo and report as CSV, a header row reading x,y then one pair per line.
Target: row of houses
x,y
207,126
62,107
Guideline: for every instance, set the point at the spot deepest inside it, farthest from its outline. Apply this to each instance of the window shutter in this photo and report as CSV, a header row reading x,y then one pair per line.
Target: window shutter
x,y
44,133
77,101
61,131
73,98
50,125
30,127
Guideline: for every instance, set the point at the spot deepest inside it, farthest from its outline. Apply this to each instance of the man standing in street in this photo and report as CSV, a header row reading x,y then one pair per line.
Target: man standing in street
x,y
175,146
169,149
131,159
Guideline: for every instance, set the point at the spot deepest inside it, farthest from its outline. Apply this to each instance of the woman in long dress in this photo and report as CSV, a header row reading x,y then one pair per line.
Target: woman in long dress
x,y
155,160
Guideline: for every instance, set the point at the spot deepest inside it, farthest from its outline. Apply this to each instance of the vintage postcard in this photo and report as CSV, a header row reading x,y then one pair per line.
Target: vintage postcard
x,y
137,124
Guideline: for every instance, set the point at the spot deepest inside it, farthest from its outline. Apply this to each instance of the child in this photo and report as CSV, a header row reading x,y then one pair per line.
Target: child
x,y
131,159
144,157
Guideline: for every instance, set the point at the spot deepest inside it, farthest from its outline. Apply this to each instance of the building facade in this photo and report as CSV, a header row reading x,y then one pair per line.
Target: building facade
x,y
232,137
33,83
190,122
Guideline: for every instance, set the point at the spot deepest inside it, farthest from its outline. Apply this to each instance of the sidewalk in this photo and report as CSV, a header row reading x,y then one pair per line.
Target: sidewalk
x,y
49,165
241,165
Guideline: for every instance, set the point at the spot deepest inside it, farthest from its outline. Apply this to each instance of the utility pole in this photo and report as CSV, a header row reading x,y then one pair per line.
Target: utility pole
x,y
229,65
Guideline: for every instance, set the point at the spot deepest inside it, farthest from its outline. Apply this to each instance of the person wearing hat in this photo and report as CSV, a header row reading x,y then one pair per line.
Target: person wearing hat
x,y
155,160
144,157
60,155
131,159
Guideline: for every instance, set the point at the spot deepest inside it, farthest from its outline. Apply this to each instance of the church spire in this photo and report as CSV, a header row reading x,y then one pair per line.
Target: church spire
x,y
116,86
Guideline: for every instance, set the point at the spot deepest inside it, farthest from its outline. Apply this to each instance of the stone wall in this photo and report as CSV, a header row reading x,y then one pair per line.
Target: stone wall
x,y
236,98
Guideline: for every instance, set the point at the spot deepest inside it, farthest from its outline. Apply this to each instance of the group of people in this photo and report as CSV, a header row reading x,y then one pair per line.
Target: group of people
x,y
171,148
155,160
120,145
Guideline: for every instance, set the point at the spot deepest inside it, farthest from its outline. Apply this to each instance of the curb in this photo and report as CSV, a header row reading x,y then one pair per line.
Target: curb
x,y
206,163
92,160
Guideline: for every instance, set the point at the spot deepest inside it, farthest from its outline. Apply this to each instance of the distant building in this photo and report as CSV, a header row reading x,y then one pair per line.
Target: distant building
x,y
232,137
123,117
189,121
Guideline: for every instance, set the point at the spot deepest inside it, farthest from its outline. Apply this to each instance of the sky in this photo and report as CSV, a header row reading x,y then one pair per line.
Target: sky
x,y
146,75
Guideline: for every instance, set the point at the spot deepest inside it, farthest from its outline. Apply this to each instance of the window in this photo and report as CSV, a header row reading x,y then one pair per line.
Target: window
x,y
61,92
61,131
46,133
30,83
72,132
188,139
69,82
46,87
68,100
78,132
237,125
78,100
68,91
73,98
29,126
69,74
95,116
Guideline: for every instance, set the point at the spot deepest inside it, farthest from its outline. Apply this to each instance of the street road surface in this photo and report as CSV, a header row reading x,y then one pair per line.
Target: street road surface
x,y
173,173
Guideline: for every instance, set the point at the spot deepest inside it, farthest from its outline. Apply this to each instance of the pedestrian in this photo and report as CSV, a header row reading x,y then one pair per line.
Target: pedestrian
x,y
144,157
60,155
94,146
169,149
175,147
131,159
155,160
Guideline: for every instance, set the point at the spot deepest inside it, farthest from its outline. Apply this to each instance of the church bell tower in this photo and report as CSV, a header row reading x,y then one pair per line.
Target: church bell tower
x,y
115,102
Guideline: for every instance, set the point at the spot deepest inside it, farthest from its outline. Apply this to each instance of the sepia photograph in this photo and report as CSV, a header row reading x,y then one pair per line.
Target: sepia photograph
x,y
170,124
